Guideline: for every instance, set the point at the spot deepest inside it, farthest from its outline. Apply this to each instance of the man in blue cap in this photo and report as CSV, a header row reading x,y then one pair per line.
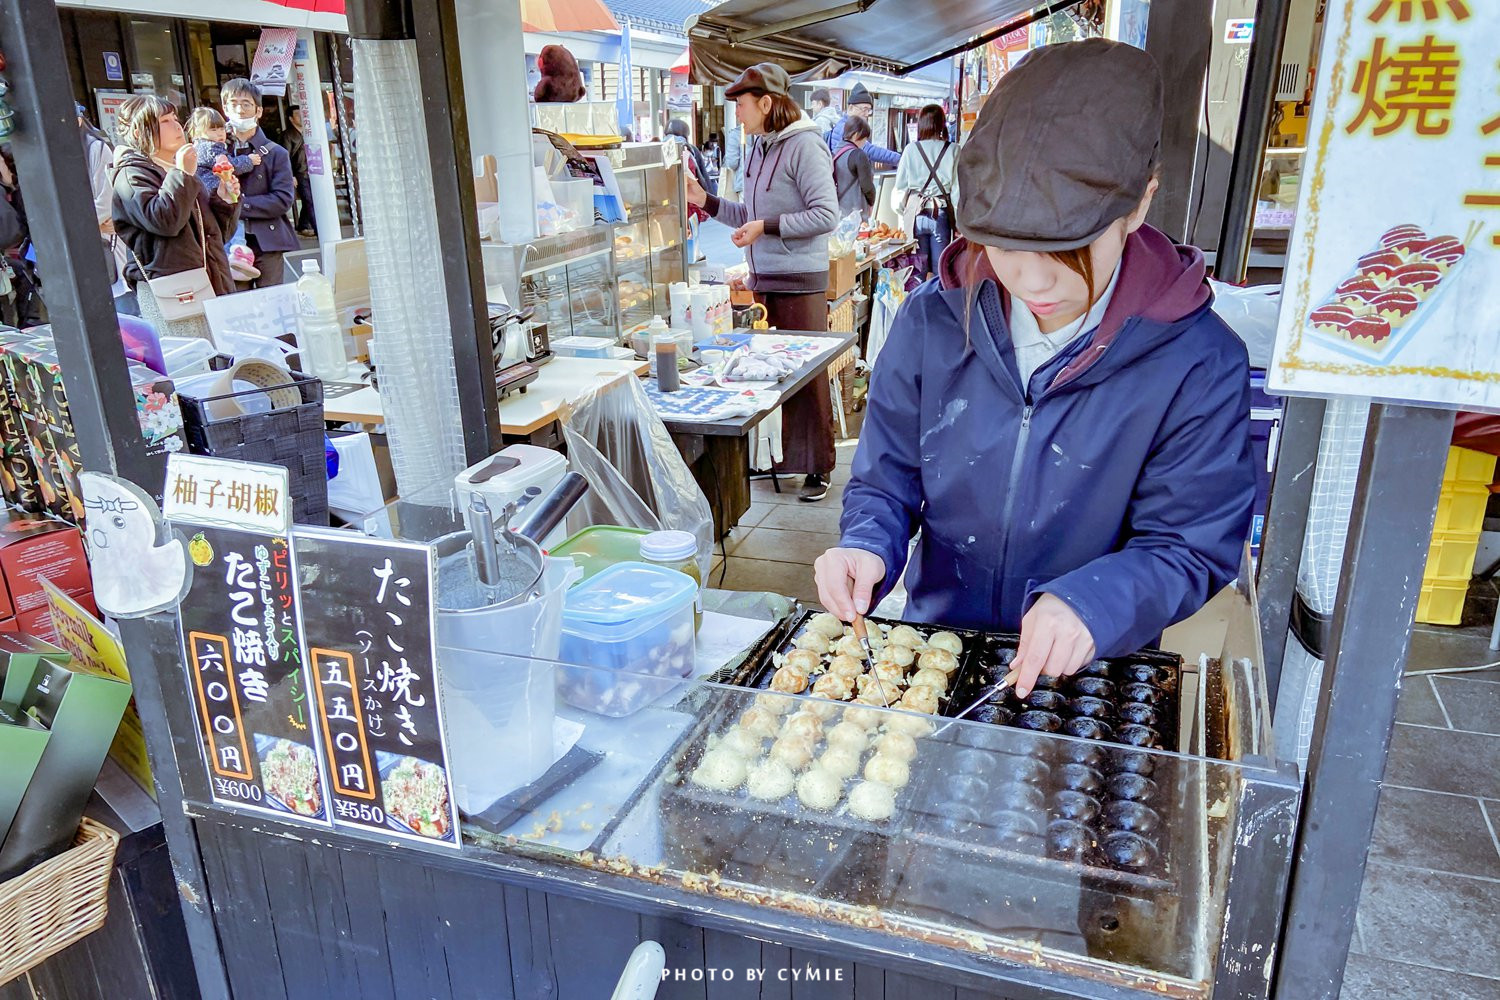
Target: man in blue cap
x,y
862,106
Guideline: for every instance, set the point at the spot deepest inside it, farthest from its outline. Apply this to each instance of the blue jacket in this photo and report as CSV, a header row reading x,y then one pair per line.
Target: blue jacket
x,y
1120,480
876,152
267,193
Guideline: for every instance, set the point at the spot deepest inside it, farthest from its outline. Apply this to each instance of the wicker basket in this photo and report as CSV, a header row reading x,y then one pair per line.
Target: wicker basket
x,y
58,902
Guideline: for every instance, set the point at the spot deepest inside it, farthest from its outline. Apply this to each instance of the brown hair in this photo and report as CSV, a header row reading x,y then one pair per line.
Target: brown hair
x,y
932,122
138,122
973,267
201,121
784,112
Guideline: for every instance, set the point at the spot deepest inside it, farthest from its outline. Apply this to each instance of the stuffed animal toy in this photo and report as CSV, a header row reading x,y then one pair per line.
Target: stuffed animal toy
x,y
561,82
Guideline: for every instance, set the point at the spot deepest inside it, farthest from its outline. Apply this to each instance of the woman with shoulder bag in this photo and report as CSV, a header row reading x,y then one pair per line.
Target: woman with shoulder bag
x,y
929,173
172,226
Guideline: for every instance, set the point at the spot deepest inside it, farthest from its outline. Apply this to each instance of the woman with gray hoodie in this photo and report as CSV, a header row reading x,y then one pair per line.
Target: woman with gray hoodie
x,y
788,208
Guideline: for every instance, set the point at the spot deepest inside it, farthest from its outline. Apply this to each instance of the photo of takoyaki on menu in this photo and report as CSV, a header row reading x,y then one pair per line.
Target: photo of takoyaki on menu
x,y
1379,305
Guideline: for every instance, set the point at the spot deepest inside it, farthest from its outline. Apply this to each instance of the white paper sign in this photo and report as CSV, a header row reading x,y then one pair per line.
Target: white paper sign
x,y
1393,266
223,493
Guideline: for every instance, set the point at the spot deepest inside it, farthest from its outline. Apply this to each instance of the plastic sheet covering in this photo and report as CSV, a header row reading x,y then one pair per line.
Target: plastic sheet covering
x,y
1337,478
637,478
413,352
1252,314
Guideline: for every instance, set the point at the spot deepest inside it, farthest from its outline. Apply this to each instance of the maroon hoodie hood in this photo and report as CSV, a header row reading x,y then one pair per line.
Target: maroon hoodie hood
x,y
1160,281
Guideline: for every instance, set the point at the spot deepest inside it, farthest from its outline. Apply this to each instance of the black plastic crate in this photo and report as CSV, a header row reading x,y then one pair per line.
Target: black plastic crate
x,y
289,436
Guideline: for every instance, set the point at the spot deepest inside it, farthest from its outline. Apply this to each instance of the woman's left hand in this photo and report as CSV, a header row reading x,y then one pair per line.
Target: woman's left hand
x,y
229,189
1054,641
748,233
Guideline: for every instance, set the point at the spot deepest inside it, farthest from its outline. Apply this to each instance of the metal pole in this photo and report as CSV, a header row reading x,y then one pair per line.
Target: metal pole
x,y
1250,139
101,402
1402,471
1286,528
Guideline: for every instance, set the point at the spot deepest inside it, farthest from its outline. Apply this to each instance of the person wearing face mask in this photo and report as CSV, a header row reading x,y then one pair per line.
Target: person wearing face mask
x,y
268,191
1058,412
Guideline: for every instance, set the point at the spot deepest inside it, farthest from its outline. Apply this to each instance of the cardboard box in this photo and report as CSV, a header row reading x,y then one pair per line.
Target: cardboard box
x,y
81,712
22,481
34,548
841,272
36,426
44,371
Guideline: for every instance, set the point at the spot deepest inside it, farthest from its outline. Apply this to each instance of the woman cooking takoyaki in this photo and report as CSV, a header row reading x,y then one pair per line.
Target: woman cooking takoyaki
x,y
1058,415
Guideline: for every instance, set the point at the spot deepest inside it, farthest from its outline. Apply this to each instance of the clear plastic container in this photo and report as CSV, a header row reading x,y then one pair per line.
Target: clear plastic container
x,y
676,550
319,335
597,548
632,617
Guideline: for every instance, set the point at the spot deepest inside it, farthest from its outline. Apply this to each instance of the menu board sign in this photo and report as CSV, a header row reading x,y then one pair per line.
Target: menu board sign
x,y
368,623
245,673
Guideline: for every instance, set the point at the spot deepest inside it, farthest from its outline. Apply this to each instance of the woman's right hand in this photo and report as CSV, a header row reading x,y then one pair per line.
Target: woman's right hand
x,y
847,579
187,159
696,196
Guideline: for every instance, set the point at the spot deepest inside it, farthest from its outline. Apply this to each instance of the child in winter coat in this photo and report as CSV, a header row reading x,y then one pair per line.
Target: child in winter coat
x,y
209,134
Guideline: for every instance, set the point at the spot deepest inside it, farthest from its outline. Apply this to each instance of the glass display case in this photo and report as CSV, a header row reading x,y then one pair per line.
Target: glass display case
x,y
569,279
649,245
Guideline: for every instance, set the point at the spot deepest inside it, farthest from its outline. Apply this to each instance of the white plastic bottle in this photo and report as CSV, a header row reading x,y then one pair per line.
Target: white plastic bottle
x,y
319,336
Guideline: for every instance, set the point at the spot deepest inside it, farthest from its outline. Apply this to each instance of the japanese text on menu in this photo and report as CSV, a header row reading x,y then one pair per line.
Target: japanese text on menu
x,y
244,657
367,613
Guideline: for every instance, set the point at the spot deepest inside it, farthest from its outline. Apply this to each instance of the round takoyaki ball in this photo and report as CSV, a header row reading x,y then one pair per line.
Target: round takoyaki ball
x,y
776,703
742,742
995,715
821,706
827,625
938,659
846,666
1143,694
1075,805
1078,778
947,642
816,642
1069,840
789,680
905,635
759,722
1141,715
872,801
720,771
890,674
840,763
892,771
848,736
935,679
1093,708
803,722
874,691
1086,728
1132,762
1041,722
1138,736
920,699
864,716
897,745
849,646
915,726
804,660
1094,687
1047,701
1131,787
1128,851
796,752
834,687
819,789
770,780
1133,816
901,656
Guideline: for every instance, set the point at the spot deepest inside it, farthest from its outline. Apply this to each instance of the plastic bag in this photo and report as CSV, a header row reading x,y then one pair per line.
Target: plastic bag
x,y
637,478
843,238
1252,313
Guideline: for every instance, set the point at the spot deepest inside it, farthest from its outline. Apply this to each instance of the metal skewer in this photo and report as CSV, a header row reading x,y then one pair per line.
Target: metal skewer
x,y
861,632
1008,681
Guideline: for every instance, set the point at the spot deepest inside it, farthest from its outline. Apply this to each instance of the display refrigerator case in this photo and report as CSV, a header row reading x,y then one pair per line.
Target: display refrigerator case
x,y
568,279
650,250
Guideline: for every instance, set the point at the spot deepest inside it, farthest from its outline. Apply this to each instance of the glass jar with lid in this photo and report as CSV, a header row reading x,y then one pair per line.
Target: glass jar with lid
x,y
676,550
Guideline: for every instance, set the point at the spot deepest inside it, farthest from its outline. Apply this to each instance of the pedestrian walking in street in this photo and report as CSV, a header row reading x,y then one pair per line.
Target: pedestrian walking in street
x,y
927,181
296,148
790,206
173,226
862,106
734,164
853,177
823,111
268,191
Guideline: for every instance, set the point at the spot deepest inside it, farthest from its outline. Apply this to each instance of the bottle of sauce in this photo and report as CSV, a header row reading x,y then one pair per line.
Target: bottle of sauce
x,y
664,348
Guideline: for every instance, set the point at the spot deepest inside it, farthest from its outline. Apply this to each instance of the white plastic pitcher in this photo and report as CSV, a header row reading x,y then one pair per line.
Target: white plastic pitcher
x,y
499,690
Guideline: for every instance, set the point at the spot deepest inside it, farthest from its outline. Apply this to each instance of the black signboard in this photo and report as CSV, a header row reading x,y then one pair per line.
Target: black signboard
x,y
244,657
368,625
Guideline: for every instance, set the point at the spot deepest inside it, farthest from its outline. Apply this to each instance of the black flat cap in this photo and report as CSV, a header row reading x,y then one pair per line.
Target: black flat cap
x,y
762,78
1065,145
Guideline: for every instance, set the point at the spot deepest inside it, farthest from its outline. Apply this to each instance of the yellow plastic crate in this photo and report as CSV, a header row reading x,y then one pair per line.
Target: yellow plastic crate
x,y
1465,466
1442,602
1450,558
1461,508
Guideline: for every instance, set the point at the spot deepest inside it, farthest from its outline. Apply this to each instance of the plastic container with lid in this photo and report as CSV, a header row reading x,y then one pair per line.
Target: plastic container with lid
x,y
597,548
676,550
636,618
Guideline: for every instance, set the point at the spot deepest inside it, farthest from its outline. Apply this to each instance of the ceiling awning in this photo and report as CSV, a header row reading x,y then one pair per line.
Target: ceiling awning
x,y
818,40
